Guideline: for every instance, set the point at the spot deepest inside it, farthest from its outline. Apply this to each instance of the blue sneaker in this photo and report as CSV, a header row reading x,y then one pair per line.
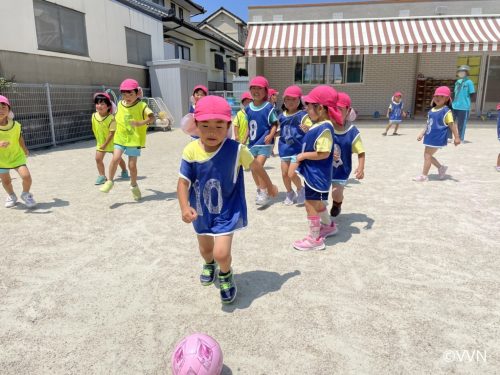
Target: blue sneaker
x,y
100,180
207,276
227,288
124,174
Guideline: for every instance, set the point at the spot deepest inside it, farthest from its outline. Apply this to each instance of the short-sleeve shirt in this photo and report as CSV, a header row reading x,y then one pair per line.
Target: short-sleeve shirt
x,y
464,88
195,152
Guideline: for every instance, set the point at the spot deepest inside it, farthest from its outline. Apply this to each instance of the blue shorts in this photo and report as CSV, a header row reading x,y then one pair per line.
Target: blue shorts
x,y
291,159
313,195
7,170
129,151
339,182
264,150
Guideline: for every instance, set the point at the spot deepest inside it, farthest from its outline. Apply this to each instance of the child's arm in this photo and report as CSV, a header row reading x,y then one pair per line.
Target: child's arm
x,y
149,120
25,149
312,155
189,214
454,130
4,144
272,132
259,170
360,171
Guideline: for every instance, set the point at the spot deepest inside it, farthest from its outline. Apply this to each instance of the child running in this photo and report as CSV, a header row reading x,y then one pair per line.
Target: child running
x,y
314,164
132,119
395,113
104,127
211,190
435,134
240,122
293,125
262,125
13,153
347,142
199,92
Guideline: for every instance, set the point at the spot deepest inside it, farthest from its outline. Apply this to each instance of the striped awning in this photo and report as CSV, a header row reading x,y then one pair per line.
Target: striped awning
x,y
369,36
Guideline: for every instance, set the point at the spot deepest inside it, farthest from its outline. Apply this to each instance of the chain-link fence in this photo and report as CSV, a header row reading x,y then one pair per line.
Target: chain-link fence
x,y
54,114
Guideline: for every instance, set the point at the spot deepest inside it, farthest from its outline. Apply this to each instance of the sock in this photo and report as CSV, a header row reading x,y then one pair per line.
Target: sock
x,y
223,274
314,226
325,217
212,262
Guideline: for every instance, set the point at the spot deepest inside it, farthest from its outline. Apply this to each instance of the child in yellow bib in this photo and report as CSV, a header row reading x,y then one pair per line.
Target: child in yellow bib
x,y
13,153
132,119
240,121
104,127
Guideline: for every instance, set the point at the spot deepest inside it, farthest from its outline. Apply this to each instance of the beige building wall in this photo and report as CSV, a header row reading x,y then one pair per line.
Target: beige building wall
x,y
226,25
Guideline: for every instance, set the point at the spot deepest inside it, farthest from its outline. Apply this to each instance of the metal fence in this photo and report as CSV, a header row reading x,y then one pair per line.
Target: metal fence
x,y
232,97
54,114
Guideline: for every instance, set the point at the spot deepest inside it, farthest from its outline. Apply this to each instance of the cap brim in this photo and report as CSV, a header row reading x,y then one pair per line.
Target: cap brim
x,y
308,99
212,116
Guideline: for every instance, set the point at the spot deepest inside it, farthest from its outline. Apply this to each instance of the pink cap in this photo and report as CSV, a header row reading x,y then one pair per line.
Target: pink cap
x,y
246,95
498,107
442,91
327,97
273,92
105,94
4,100
259,81
344,100
200,87
212,108
129,84
292,92
397,93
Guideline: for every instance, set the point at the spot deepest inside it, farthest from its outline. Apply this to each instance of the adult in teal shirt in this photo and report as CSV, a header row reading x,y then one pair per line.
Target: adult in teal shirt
x,y
464,91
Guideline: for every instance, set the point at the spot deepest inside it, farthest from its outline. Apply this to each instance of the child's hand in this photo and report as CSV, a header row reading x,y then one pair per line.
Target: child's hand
x,y
300,157
419,138
457,141
304,128
336,156
268,139
4,144
273,191
360,174
102,147
189,215
135,123
26,152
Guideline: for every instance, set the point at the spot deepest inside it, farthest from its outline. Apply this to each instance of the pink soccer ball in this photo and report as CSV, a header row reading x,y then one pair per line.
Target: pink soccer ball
x,y
197,354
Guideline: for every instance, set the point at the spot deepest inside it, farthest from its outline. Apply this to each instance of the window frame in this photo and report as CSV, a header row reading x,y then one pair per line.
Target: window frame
x,y
328,79
182,48
221,59
231,62
181,13
129,61
61,35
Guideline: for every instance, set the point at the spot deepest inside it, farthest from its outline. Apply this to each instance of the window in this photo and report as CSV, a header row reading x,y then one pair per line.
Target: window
x,y
219,61
159,2
60,29
329,69
181,13
232,66
172,6
138,47
182,52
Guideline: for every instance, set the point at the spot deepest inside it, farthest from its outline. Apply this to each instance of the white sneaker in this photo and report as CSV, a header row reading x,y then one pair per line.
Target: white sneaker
x,y
11,200
301,196
257,196
290,198
28,200
262,199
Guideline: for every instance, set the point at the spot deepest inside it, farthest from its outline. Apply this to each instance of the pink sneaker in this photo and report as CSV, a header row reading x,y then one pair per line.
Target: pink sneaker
x,y
309,244
421,178
442,171
328,230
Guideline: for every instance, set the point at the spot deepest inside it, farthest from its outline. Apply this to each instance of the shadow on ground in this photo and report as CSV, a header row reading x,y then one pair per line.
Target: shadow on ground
x,y
156,196
346,228
43,206
254,284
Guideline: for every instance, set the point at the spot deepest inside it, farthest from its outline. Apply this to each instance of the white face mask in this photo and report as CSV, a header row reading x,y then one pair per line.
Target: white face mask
x,y
462,74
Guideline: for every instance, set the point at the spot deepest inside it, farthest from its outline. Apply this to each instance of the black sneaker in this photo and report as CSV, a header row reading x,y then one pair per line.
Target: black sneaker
x,y
227,288
207,276
336,209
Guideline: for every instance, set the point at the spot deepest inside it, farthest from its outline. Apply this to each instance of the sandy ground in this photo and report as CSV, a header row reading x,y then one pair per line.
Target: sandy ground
x,y
98,284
